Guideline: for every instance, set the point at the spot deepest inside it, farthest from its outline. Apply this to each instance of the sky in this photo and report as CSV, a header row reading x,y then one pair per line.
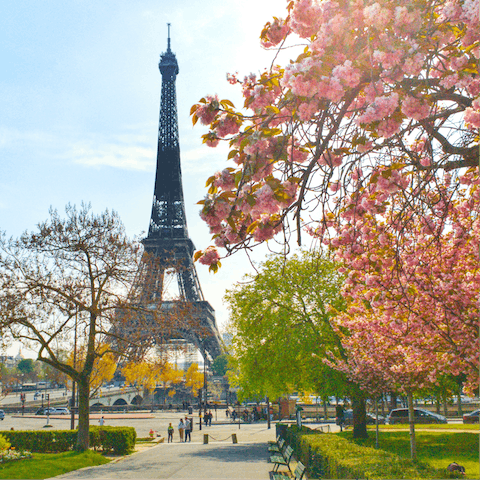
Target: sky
x,y
80,105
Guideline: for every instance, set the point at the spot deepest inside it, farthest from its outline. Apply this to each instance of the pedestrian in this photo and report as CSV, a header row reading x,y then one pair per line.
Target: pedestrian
x,y
210,416
181,429
101,421
188,429
227,412
170,431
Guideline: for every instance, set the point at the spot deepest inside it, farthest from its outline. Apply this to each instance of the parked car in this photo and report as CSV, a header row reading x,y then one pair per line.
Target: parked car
x,y
348,414
46,411
471,417
62,411
2,415
400,415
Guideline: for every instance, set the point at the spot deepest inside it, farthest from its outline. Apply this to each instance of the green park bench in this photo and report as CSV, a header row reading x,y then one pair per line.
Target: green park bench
x,y
298,473
277,447
282,458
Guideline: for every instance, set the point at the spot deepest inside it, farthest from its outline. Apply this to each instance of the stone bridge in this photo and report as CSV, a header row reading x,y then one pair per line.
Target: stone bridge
x,y
128,396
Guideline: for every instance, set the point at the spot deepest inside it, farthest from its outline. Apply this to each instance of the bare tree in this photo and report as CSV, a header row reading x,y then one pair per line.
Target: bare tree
x,y
76,275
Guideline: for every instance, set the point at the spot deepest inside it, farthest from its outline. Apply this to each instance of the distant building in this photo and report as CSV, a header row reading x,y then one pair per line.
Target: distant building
x,y
9,361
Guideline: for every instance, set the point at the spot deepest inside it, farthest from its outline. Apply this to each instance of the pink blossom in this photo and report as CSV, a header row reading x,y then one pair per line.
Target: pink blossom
x,y
275,33
210,256
415,108
306,110
388,128
212,140
296,155
227,124
382,107
377,16
472,118
330,159
347,74
425,161
225,180
206,112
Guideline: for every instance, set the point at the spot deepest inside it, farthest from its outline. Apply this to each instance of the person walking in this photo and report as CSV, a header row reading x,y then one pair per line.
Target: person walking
x,y
101,421
181,429
188,429
210,416
170,431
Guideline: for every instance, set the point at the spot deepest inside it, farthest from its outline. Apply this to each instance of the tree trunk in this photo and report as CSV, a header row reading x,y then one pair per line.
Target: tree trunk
x,y
359,417
325,410
459,400
437,403
83,439
445,405
411,421
393,400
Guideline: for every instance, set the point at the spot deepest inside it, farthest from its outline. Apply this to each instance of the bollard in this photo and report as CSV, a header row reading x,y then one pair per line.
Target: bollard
x,y
234,438
205,438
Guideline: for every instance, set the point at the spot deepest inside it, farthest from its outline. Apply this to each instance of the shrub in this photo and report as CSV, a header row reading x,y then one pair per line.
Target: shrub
x,y
330,456
42,441
119,440
4,443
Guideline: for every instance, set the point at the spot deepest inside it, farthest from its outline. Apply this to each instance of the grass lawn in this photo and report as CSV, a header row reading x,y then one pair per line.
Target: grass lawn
x,y
436,448
473,427
46,465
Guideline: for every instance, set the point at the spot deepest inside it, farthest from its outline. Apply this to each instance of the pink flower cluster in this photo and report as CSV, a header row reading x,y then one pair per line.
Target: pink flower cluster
x,y
227,124
382,107
210,256
274,33
472,115
207,112
225,180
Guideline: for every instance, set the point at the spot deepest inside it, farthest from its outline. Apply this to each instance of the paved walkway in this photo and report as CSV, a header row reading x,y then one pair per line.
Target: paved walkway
x,y
215,460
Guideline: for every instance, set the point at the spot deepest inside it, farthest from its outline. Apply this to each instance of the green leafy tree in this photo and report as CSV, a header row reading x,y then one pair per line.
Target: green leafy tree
x,y
283,336
26,366
220,365
280,319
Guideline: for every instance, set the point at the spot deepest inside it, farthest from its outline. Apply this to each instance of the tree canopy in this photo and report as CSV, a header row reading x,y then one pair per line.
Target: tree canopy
x,y
282,331
379,93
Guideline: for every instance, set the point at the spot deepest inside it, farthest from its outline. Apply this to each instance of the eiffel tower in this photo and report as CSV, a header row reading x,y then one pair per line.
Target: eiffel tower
x,y
167,240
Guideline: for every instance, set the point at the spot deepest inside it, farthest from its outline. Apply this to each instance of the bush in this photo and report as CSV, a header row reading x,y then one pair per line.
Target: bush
x,y
42,441
4,443
119,440
330,456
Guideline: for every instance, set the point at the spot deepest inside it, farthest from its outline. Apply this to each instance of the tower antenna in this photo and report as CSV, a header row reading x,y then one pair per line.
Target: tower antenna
x,y
168,46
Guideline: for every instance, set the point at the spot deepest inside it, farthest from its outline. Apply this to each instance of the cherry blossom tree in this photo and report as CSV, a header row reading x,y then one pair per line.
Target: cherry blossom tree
x,y
412,316
375,85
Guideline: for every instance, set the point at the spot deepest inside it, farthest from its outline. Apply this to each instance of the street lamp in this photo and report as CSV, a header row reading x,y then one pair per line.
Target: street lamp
x,y
205,381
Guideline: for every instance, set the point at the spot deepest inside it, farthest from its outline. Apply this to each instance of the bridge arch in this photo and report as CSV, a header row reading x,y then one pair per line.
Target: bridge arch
x,y
137,400
120,401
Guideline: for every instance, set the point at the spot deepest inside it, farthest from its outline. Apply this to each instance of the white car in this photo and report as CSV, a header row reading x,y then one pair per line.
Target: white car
x,y
62,411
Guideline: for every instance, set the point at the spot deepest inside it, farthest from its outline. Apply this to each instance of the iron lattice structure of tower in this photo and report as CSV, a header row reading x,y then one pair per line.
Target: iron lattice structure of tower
x,y
167,240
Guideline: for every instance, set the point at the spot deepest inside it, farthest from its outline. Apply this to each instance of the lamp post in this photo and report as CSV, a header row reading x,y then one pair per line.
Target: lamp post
x,y
205,382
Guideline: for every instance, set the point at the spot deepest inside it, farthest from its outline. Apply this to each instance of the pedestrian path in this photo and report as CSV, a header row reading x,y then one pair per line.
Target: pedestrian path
x,y
193,460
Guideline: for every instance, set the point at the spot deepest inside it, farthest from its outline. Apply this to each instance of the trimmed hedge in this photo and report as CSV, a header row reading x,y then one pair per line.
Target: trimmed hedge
x,y
327,455
119,440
